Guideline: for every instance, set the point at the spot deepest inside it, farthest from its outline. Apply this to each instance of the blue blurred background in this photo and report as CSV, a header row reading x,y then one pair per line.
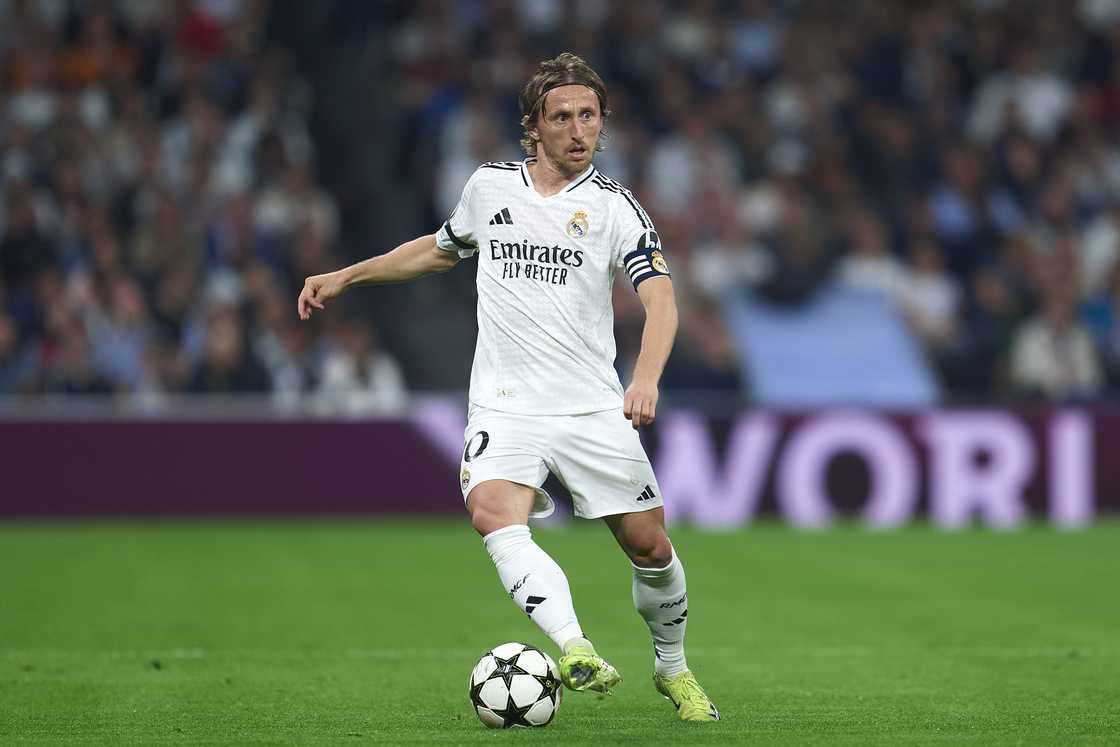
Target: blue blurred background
x,y
887,203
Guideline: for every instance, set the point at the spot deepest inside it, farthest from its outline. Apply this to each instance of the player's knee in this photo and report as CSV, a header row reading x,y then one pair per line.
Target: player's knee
x,y
487,511
495,504
486,521
483,518
656,552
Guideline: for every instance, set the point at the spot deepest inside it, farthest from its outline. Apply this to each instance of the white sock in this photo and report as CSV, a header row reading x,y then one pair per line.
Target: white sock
x,y
661,599
534,581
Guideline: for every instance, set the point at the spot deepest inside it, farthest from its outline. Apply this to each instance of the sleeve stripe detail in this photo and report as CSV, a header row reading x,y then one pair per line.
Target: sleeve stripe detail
x,y
646,222
629,197
619,189
456,240
635,263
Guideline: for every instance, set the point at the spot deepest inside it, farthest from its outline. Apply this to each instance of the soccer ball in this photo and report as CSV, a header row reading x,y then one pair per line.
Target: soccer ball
x,y
515,685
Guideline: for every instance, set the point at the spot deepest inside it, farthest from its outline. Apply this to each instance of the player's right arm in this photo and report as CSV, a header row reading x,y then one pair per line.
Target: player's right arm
x,y
422,256
412,259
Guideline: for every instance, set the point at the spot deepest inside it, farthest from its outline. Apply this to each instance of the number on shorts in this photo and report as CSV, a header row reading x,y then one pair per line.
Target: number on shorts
x,y
483,440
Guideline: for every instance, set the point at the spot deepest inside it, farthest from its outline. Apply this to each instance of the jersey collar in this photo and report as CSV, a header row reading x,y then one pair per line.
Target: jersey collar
x,y
572,185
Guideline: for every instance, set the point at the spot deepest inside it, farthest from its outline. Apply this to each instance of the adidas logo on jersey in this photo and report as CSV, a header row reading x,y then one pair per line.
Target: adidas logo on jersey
x,y
502,218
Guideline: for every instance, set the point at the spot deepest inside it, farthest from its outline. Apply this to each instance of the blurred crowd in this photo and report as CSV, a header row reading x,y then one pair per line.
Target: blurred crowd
x,y
958,156
159,208
160,200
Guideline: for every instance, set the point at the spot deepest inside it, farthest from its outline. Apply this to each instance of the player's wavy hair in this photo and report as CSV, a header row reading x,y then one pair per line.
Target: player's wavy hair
x,y
566,69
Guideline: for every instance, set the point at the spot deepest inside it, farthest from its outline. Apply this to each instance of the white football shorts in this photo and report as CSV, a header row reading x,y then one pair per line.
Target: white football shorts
x,y
597,456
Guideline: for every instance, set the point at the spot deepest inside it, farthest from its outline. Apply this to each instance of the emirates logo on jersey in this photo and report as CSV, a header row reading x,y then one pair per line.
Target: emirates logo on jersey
x,y
577,227
543,263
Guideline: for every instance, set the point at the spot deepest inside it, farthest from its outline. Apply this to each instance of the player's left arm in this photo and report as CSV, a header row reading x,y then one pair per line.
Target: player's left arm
x,y
640,402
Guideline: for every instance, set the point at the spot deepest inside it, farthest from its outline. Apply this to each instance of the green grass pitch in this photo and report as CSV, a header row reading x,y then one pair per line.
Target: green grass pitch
x,y
336,633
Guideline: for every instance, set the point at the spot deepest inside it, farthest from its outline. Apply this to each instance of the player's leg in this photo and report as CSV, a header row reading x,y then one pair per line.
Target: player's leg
x,y
661,598
659,590
602,461
504,458
499,511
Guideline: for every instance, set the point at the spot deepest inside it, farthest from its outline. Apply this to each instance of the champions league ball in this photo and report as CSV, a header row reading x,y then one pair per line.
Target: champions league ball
x,y
515,685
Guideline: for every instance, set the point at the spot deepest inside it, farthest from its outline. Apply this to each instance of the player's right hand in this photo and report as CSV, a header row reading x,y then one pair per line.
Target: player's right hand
x,y
316,290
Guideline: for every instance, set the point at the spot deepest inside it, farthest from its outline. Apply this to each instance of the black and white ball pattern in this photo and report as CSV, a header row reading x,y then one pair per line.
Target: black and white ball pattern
x,y
515,685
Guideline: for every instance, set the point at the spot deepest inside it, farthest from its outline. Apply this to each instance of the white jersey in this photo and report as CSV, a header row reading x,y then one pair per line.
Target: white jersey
x,y
546,266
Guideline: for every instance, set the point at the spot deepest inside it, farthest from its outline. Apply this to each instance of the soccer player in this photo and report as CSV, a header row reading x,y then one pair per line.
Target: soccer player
x,y
550,232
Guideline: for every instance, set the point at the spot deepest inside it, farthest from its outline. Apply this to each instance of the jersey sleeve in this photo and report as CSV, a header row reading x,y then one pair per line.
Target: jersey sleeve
x,y
458,231
639,247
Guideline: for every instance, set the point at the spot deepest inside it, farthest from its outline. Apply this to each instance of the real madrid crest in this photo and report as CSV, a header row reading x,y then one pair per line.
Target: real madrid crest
x,y
465,478
658,262
577,227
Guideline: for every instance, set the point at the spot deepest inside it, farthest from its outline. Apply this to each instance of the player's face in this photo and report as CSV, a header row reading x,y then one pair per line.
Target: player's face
x,y
568,128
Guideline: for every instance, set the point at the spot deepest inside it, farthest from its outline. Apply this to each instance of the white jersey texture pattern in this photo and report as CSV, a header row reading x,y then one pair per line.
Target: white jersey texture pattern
x,y
546,266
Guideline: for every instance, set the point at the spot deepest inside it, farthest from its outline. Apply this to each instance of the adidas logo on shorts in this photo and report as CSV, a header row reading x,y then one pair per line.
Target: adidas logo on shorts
x,y
646,494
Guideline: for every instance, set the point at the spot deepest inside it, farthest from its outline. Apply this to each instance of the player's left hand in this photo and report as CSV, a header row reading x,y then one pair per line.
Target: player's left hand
x,y
639,405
